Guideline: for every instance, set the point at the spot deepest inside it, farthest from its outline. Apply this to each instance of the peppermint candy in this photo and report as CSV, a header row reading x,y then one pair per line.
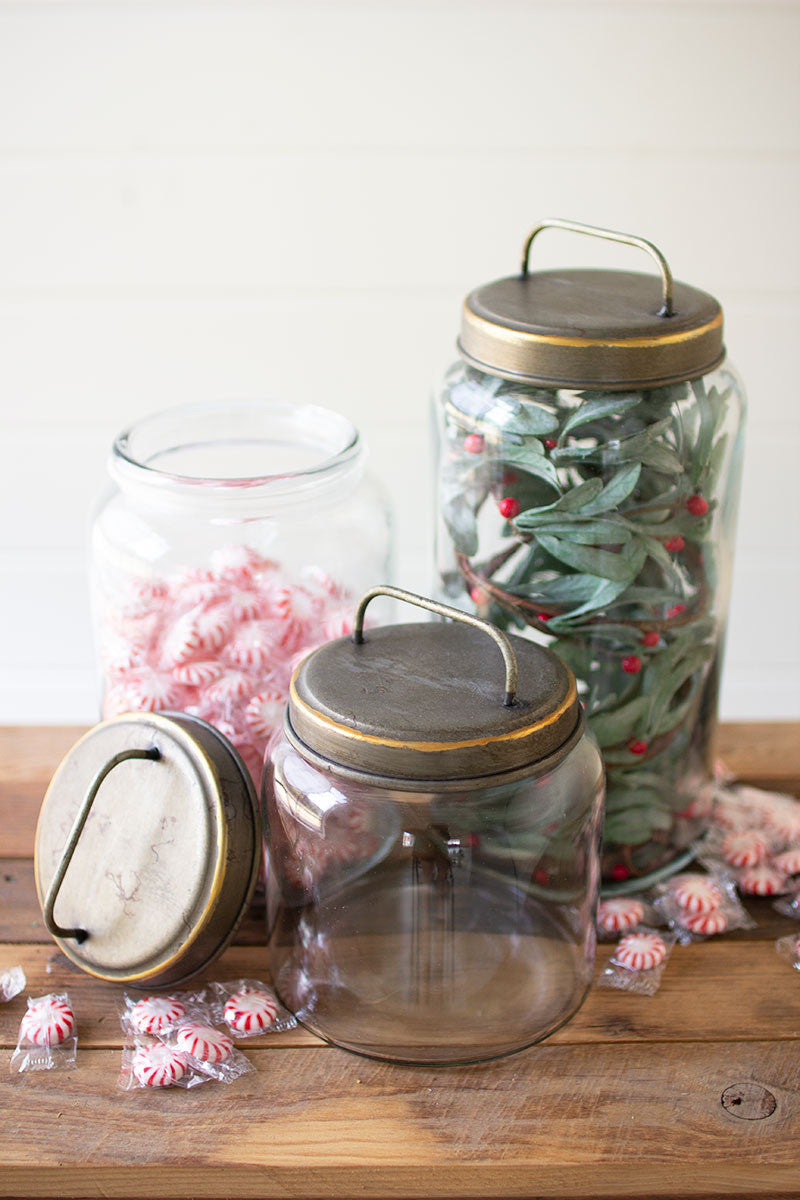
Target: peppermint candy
x,y
230,687
155,1014
158,1065
264,713
619,915
761,880
696,894
253,645
640,951
250,1011
788,863
744,848
151,691
706,922
203,1042
784,823
48,1021
198,674
238,563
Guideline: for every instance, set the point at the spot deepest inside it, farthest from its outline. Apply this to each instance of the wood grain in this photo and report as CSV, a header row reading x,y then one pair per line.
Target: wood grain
x,y
614,1120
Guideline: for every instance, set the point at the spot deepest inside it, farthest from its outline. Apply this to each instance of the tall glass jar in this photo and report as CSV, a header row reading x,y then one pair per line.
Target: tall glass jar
x,y
590,444
233,541
432,838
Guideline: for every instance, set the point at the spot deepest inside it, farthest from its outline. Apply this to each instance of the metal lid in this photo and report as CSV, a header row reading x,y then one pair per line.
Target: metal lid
x,y
147,848
592,328
431,702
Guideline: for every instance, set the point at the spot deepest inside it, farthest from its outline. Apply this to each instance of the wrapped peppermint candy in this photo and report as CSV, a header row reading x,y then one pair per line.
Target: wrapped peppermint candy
x,y
699,906
48,1037
638,961
248,1008
12,982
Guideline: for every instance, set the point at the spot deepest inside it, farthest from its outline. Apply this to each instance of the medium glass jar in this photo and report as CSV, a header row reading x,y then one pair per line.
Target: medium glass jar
x,y
233,541
590,445
432,842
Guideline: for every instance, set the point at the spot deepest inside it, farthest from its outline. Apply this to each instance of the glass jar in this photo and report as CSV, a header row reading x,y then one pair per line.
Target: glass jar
x,y
590,445
432,842
233,541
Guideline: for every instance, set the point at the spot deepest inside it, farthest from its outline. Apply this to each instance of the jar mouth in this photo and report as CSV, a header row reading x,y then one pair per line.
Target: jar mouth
x,y
232,452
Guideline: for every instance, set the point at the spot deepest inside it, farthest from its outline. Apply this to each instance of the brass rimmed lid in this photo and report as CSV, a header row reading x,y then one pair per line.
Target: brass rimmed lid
x,y
430,702
592,328
147,848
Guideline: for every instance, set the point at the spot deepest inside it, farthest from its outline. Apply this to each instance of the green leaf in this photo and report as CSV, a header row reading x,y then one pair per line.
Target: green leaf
x,y
533,463
605,405
589,560
618,488
576,498
585,533
522,417
661,458
615,727
604,594
462,525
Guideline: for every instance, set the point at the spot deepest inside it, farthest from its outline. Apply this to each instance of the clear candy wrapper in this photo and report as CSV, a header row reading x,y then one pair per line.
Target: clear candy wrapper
x,y
622,914
48,1039
788,949
149,1062
698,906
638,961
209,1051
12,982
247,1008
789,905
742,808
156,1015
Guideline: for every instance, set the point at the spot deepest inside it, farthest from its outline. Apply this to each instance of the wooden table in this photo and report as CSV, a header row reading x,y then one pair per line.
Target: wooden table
x,y
693,1092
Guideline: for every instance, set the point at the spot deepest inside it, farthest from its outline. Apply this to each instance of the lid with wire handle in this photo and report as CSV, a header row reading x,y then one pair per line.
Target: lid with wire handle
x,y
454,700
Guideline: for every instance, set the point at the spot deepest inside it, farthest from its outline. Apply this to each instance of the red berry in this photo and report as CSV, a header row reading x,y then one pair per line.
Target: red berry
x,y
619,873
697,505
474,443
509,477
479,597
675,544
541,876
676,610
638,747
472,840
543,616
550,443
632,664
651,638
509,507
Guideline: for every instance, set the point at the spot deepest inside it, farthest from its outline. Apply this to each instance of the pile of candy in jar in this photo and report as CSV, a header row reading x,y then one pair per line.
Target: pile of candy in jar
x,y
219,643
752,847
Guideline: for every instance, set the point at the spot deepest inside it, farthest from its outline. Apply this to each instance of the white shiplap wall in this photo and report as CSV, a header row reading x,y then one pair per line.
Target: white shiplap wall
x,y
290,198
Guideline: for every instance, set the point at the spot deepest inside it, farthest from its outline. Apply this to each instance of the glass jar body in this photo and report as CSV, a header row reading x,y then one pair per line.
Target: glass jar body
x,y
602,524
434,927
236,537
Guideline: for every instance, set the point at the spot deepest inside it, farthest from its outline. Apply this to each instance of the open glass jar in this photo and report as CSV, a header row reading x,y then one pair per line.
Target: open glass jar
x,y
234,540
432,839
590,442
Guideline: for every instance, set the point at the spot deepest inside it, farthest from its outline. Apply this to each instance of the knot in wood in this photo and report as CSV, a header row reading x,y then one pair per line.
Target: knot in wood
x,y
749,1101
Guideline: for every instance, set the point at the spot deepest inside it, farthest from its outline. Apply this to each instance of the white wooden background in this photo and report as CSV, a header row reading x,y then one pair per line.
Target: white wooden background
x,y
290,197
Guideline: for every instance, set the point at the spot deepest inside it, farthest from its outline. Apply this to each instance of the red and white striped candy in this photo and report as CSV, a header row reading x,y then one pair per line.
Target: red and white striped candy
x,y
198,674
784,822
118,700
640,951
788,862
696,894
298,611
182,641
619,915
264,713
142,595
337,624
246,605
253,645
154,1014
204,1043
158,1065
249,1010
237,563
48,1022
761,880
231,686
744,848
706,922
151,691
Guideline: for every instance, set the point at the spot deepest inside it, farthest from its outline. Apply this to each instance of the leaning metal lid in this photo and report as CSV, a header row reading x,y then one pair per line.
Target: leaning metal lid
x,y
592,328
431,702
147,848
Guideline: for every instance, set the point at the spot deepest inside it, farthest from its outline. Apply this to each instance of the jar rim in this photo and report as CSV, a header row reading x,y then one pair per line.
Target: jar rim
x,y
328,443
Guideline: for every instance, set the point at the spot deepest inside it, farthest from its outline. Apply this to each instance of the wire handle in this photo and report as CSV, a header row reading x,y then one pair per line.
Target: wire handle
x,y
609,235
57,930
443,610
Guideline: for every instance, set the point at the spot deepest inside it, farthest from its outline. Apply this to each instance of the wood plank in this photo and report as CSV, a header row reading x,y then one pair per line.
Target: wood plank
x,y
742,988
555,1121
767,755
